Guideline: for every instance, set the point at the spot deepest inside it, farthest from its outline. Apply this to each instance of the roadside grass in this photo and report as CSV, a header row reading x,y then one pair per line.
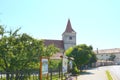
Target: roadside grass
x,y
109,75
54,77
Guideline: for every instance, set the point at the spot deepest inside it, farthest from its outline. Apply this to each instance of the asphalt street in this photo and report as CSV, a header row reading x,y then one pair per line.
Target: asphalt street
x,y
114,70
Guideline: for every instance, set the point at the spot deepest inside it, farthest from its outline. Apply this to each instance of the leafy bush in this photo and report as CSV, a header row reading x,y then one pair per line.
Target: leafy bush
x,y
54,64
75,70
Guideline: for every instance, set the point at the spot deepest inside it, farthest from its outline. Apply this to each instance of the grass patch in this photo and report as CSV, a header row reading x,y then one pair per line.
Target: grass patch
x,y
54,77
109,75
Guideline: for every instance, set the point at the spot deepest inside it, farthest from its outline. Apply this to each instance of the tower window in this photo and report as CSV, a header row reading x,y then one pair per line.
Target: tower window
x,y
70,38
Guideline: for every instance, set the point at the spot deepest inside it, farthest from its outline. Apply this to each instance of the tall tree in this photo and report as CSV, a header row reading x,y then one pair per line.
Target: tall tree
x,y
21,51
81,54
93,59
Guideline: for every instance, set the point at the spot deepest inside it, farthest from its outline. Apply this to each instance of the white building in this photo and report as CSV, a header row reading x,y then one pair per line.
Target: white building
x,y
104,55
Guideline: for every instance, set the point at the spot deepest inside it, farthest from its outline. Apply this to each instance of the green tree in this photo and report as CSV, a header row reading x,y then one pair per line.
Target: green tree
x,y
80,53
93,59
112,57
21,51
55,64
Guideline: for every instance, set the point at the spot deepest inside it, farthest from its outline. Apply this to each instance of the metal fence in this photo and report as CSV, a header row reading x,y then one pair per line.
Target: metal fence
x,y
28,75
20,75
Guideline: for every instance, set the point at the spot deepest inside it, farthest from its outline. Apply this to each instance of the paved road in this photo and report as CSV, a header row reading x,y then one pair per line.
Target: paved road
x,y
99,73
114,70
93,74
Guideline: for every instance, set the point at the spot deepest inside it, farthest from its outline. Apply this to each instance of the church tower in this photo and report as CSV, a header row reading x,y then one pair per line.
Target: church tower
x,y
69,36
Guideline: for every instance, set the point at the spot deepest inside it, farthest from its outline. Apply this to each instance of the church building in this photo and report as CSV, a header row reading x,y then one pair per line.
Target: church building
x,y
68,39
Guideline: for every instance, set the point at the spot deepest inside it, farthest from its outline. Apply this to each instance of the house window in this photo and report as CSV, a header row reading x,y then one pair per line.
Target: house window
x,y
70,38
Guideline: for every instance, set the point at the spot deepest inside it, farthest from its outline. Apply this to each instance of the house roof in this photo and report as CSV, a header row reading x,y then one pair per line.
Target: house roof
x,y
114,50
69,28
57,43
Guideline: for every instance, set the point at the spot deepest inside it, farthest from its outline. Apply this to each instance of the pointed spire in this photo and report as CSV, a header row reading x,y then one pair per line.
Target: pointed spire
x,y
69,27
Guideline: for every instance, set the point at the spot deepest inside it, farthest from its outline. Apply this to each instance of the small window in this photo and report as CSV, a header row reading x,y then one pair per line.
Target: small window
x,y
70,38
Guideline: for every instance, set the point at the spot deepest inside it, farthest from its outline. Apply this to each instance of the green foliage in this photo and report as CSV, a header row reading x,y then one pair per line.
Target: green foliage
x,y
49,50
93,58
21,51
55,64
112,57
1,30
81,54
75,69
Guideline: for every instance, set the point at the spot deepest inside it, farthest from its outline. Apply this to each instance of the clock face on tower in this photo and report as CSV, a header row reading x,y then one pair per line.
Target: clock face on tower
x,y
70,38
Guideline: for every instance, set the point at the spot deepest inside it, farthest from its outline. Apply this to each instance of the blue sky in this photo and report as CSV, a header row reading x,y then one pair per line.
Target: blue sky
x,y
97,22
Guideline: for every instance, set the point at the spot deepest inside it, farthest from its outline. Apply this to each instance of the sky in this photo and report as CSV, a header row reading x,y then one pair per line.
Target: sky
x,y
97,22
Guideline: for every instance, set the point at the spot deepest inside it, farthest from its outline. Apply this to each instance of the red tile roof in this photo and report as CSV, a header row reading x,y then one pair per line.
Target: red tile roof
x,y
57,43
69,27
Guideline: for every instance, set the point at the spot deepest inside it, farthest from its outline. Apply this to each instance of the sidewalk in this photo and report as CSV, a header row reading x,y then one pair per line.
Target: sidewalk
x,y
93,74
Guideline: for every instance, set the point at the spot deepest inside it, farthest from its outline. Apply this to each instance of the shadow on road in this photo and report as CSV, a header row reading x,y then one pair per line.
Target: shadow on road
x,y
84,73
